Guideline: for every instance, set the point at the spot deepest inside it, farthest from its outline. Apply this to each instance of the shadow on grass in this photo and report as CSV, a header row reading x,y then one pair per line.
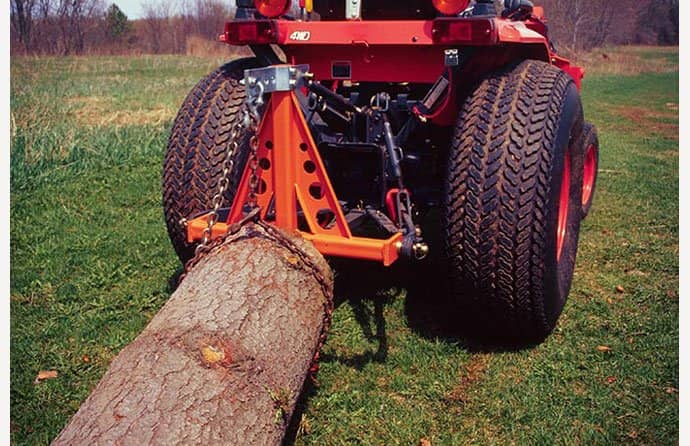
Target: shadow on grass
x,y
433,313
357,283
429,310
360,283
174,280
293,428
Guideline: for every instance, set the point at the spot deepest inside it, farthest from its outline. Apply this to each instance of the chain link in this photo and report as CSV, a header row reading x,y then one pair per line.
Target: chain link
x,y
256,90
320,276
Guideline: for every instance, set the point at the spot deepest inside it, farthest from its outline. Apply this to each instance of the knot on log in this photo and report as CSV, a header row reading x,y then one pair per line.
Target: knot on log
x,y
212,354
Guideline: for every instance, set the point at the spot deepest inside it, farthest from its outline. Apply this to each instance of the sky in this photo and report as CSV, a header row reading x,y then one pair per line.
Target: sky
x,y
131,8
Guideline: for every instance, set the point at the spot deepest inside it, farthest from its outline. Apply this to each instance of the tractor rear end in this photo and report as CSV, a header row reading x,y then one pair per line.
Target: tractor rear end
x,y
356,120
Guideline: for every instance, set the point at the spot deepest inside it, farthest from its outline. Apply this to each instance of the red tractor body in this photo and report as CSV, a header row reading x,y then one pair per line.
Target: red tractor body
x,y
400,50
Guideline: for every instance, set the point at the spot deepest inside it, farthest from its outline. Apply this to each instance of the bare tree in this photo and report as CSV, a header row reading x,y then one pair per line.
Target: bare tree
x,y
659,23
156,15
21,16
74,19
46,27
585,24
210,17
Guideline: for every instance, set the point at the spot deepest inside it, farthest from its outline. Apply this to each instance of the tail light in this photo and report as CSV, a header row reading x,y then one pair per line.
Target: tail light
x,y
464,31
450,7
272,8
250,32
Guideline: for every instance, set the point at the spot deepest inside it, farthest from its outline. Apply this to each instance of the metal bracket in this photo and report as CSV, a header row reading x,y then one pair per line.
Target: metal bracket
x,y
451,57
276,78
353,9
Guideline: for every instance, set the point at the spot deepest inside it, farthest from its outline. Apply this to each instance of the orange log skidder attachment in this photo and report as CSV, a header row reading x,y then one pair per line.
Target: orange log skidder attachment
x,y
294,191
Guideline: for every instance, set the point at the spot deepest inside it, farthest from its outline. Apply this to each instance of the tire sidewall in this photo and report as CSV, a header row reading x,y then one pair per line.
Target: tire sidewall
x,y
559,272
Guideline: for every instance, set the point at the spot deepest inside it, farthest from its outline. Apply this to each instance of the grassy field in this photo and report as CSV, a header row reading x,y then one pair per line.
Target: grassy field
x,y
91,264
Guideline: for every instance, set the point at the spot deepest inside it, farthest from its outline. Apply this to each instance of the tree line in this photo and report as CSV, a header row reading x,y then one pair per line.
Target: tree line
x,y
577,25
64,27
91,26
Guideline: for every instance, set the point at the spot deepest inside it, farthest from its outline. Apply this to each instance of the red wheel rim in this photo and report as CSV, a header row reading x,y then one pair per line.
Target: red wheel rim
x,y
589,173
563,206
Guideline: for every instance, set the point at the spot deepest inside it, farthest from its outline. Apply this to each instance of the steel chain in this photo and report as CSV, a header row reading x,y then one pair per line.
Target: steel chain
x,y
233,229
223,183
248,120
253,166
256,90
326,288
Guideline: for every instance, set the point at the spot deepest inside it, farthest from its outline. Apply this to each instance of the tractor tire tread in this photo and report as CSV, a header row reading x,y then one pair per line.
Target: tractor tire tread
x,y
496,195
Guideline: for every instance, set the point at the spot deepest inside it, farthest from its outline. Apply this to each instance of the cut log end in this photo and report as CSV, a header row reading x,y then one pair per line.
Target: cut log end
x,y
224,361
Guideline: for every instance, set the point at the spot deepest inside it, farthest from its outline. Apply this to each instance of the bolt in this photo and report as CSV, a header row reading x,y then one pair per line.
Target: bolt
x,y
420,250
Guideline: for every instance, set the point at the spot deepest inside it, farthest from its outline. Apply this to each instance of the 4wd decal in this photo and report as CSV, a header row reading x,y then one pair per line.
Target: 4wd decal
x,y
300,35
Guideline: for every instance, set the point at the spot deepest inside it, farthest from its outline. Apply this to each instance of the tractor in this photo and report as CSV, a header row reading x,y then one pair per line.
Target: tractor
x,y
357,119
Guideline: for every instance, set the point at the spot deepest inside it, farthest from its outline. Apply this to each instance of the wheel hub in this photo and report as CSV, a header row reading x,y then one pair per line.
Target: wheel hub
x,y
589,173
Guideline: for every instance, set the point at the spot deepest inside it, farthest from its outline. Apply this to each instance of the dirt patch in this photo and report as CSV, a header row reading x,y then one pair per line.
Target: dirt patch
x,y
472,374
651,121
100,111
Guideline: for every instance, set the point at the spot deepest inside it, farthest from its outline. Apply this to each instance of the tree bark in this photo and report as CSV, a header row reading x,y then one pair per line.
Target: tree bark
x,y
224,361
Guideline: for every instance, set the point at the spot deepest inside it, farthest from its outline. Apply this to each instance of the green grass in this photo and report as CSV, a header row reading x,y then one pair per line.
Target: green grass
x,y
91,264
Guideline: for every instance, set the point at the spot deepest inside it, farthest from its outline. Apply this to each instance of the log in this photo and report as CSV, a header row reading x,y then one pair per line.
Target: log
x,y
225,359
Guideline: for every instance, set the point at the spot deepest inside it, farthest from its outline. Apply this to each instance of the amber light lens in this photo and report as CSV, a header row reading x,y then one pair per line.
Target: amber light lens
x,y
272,8
450,7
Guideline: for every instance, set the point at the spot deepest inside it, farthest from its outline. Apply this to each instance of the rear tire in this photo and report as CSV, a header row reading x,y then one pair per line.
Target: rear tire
x,y
196,149
513,185
590,148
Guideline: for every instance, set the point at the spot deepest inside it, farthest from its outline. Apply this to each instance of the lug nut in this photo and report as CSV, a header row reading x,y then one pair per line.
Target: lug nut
x,y
420,250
